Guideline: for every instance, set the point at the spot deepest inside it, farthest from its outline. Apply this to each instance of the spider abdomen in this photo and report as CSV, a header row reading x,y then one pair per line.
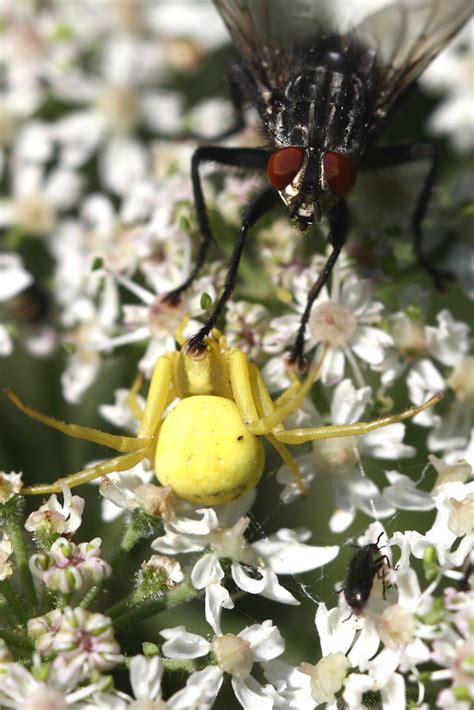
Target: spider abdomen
x,y
206,453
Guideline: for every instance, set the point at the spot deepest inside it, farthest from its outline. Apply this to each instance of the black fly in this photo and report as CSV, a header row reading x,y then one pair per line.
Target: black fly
x,y
365,565
323,98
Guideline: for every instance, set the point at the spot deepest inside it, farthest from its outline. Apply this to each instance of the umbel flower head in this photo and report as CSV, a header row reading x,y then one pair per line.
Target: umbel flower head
x,y
68,567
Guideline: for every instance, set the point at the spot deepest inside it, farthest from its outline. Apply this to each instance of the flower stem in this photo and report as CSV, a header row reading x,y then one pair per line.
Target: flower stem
x,y
187,666
181,594
13,601
21,555
63,600
18,640
130,538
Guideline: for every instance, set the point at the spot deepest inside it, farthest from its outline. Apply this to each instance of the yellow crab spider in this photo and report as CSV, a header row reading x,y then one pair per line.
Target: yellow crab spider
x,y
208,447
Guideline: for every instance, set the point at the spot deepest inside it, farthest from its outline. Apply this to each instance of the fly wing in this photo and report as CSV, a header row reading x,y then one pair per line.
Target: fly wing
x,y
406,36
267,33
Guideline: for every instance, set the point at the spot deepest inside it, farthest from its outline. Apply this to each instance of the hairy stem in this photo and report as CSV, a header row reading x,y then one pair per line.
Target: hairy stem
x,y
181,594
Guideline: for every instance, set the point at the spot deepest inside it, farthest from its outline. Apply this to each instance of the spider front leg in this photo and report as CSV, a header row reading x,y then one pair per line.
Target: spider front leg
x,y
118,463
302,435
249,390
96,436
136,448
257,409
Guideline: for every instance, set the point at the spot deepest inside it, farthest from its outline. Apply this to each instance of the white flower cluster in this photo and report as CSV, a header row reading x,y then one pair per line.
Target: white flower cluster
x,y
98,223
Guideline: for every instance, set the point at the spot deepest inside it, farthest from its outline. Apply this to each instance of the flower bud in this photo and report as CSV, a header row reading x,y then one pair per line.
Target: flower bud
x,y
461,380
409,335
327,676
461,516
233,655
335,457
10,485
43,629
158,574
332,323
68,567
6,549
396,626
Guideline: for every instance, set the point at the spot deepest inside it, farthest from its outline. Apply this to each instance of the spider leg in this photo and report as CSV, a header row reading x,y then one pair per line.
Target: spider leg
x,y
300,436
119,443
289,460
245,396
255,405
132,401
161,384
118,463
265,407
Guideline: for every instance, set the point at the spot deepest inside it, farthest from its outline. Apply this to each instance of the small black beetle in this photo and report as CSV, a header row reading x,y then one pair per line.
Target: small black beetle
x,y
366,563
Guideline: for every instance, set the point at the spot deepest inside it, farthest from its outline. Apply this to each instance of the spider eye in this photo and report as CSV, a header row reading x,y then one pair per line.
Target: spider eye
x,y
340,173
283,166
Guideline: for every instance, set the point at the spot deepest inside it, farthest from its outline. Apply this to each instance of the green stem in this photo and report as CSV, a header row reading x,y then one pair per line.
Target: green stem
x,y
130,538
181,594
186,666
121,607
13,601
21,555
18,640
63,600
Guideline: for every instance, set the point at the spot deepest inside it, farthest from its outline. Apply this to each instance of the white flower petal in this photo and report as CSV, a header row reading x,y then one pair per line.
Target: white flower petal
x,y
333,367
14,278
145,676
200,691
349,403
181,644
206,571
266,584
450,340
386,443
335,633
251,695
369,344
265,640
404,495
217,598
284,553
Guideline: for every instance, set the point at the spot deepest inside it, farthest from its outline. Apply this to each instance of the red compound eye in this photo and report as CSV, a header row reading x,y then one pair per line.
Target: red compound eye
x,y
340,173
284,165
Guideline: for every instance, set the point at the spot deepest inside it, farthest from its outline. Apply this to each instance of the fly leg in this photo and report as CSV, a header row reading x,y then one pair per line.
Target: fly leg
x,y
236,157
240,87
260,205
400,154
338,225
